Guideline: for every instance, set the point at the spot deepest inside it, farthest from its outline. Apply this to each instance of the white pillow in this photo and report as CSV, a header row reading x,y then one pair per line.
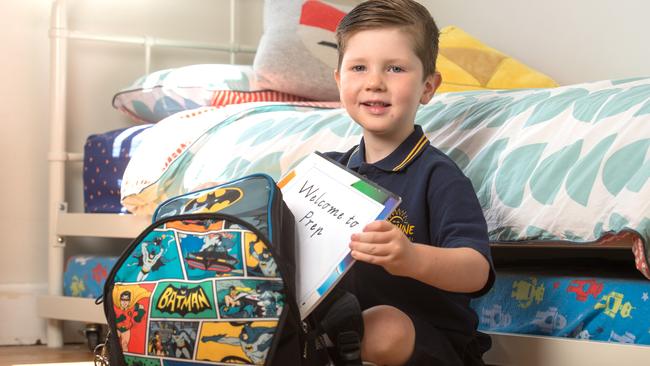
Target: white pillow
x,y
297,53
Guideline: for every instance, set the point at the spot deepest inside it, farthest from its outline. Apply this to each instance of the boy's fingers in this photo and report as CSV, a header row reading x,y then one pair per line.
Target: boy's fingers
x,y
378,225
370,249
372,237
368,258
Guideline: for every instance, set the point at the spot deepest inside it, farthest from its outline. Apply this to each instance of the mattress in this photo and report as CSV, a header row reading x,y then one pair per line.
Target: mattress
x,y
610,307
105,158
534,185
84,276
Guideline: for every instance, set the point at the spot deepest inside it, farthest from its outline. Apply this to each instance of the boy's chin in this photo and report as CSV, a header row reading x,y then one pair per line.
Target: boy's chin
x,y
387,131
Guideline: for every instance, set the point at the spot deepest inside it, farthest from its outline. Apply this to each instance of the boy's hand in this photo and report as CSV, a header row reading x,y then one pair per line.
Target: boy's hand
x,y
384,244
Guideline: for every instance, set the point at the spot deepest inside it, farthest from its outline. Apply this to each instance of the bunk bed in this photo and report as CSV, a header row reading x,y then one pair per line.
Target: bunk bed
x,y
140,195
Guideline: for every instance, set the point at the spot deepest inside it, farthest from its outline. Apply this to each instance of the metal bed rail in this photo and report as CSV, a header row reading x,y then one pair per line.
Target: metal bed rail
x,y
60,222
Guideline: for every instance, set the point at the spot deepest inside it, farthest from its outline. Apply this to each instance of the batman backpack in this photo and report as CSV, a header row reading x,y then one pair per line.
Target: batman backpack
x,y
211,281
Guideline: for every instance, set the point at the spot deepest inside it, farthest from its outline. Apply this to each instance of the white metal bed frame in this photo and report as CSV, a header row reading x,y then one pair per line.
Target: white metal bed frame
x,y
62,223
508,349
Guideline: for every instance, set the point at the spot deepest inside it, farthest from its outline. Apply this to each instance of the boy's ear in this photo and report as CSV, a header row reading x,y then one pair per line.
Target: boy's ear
x,y
431,84
337,77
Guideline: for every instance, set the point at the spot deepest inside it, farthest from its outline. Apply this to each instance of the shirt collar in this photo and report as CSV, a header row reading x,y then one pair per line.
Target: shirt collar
x,y
405,153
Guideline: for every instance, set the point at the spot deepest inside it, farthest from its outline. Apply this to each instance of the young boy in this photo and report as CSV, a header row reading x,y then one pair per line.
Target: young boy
x,y
415,272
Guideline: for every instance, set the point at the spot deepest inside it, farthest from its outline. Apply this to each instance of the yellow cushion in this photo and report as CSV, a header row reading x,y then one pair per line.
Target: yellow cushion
x,y
467,64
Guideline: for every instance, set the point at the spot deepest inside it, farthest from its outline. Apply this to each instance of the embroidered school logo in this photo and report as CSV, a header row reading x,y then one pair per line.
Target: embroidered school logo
x,y
400,219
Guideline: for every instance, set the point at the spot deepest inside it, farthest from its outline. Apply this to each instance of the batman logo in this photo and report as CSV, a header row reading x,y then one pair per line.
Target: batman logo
x,y
183,300
214,201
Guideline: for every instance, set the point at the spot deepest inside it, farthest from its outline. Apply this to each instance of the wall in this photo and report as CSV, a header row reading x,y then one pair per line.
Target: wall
x,y
23,146
571,41
574,41
96,72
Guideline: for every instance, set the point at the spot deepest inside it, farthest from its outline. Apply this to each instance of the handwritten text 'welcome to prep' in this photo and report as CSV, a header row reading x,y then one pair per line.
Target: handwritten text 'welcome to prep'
x,y
322,207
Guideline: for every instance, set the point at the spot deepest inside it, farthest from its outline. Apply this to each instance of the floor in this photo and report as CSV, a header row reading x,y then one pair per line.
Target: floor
x,y
69,355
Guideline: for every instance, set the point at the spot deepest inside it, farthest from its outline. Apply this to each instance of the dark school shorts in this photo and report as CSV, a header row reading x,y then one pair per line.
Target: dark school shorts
x,y
438,347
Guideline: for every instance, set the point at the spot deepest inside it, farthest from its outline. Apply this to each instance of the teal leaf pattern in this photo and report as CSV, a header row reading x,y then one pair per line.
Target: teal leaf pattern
x,y
571,236
458,156
339,126
303,124
551,172
599,230
143,111
583,175
267,134
482,168
517,107
269,164
623,165
235,165
645,109
623,101
239,84
504,233
515,171
644,230
453,112
629,80
344,128
163,75
166,106
537,233
617,222
429,113
482,110
254,130
190,104
554,105
587,107
639,179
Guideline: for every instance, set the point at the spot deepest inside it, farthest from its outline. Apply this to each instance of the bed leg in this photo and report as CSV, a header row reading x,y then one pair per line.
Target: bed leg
x,y
54,333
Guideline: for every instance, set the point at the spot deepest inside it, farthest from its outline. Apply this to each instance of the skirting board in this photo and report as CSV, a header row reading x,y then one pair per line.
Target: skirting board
x,y
525,350
20,324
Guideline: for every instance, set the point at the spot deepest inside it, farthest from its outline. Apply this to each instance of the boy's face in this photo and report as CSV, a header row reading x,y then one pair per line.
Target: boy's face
x,y
380,82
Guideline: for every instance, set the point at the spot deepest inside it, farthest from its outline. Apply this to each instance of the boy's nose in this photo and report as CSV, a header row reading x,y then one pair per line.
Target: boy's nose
x,y
375,82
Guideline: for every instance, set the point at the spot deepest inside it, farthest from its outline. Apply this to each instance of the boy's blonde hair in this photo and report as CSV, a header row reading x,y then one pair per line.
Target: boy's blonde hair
x,y
407,15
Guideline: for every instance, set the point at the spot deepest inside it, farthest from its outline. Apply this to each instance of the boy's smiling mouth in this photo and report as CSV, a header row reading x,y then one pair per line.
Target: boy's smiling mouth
x,y
376,106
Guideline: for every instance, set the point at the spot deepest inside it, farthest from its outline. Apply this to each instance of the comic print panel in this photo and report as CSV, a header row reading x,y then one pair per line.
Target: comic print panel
x,y
141,361
131,306
213,254
173,362
236,342
173,339
246,199
259,260
253,219
196,226
181,300
250,298
154,258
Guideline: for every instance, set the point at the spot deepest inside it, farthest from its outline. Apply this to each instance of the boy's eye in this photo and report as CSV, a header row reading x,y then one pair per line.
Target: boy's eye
x,y
358,68
394,68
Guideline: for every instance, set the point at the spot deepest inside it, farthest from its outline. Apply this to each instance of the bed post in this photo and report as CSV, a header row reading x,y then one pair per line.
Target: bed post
x,y
233,30
56,158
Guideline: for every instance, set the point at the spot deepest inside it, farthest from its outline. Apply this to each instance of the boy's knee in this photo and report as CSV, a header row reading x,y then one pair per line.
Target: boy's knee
x,y
389,336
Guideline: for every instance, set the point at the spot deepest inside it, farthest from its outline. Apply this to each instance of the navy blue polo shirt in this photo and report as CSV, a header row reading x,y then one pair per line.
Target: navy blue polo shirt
x,y
439,207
